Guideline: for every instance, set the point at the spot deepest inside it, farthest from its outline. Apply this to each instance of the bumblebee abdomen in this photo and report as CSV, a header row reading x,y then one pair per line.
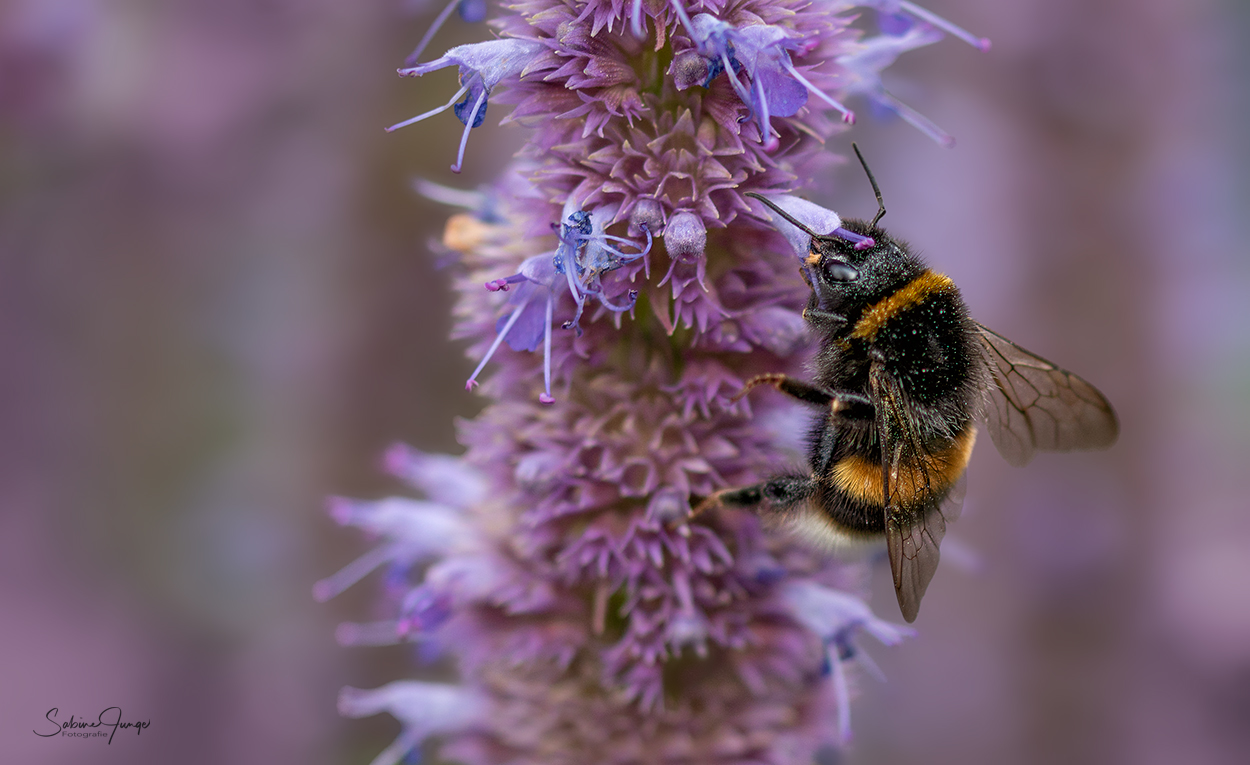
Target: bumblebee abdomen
x,y
852,491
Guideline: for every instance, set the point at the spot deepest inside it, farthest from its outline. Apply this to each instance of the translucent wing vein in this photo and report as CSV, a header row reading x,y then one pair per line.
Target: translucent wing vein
x,y
1035,405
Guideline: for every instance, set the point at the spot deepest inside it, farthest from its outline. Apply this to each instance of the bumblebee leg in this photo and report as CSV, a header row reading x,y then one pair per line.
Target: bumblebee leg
x,y
789,386
823,320
776,496
845,403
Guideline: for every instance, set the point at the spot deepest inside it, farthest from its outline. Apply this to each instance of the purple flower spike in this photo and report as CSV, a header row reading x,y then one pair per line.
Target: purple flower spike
x,y
590,617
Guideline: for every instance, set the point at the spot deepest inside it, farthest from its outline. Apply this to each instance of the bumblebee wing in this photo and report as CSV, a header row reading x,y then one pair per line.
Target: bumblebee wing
x,y
912,541
912,534
1034,404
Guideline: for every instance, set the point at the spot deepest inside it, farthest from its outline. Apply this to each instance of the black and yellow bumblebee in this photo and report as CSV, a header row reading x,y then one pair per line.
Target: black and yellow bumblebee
x,y
903,374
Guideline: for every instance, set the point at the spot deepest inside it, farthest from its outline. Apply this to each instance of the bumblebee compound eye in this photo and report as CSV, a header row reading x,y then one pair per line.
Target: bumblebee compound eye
x,y
838,270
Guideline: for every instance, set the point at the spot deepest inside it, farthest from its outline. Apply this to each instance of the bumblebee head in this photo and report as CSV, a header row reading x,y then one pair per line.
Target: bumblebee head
x,y
855,266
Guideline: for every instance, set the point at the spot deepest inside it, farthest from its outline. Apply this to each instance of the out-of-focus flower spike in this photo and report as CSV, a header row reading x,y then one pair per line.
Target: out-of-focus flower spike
x,y
445,479
424,608
418,531
425,709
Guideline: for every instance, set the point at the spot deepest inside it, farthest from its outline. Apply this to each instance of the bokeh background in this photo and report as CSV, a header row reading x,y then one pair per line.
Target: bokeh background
x,y
217,307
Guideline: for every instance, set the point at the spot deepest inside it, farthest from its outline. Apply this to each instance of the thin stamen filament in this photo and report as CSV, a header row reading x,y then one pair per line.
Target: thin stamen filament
x,y
848,116
980,43
680,10
916,119
355,571
429,34
547,355
635,19
843,696
468,385
738,87
468,125
430,113
633,300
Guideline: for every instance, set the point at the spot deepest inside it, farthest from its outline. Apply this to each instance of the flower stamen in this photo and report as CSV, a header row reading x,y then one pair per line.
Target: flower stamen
x,y
431,113
472,383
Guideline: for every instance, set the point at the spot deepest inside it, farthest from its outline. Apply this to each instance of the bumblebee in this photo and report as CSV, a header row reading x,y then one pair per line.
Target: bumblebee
x,y
903,374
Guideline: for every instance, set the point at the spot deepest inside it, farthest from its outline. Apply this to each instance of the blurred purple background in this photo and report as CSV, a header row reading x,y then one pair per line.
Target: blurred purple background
x,y
216,307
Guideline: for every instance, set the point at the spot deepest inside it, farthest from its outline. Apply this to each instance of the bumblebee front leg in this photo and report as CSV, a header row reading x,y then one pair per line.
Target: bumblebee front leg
x,y
844,402
775,497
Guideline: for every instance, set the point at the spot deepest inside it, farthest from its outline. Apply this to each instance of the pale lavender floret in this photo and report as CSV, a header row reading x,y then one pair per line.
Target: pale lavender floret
x,y
815,217
901,7
424,709
810,214
482,66
533,305
444,479
592,252
415,531
776,88
482,203
836,617
876,53
585,253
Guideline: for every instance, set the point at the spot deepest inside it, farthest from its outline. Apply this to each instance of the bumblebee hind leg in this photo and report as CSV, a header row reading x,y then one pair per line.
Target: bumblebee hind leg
x,y
774,498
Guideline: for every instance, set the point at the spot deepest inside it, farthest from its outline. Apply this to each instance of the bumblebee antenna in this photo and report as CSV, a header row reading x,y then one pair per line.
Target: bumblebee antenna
x,y
790,218
875,188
